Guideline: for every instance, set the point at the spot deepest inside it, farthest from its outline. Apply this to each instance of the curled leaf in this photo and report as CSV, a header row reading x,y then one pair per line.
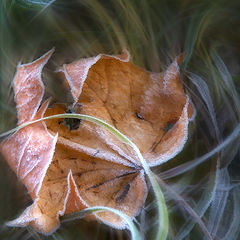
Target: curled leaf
x,y
30,150
146,107
69,164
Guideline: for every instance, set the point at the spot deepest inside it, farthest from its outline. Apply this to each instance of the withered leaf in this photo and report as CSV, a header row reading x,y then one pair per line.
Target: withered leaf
x,y
30,150
68,168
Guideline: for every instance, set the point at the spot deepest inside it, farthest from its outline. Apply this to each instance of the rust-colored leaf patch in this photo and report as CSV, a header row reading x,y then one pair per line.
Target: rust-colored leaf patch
x,y
68,164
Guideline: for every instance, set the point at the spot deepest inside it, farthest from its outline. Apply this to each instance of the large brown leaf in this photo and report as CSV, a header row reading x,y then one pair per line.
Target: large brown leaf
x,y
90,166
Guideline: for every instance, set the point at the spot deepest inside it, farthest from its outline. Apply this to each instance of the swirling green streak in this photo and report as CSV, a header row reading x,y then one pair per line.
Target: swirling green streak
x,y
77,215
161,205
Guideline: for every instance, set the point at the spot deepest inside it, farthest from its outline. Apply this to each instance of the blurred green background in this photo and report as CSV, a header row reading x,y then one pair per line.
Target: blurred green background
x,y
201,185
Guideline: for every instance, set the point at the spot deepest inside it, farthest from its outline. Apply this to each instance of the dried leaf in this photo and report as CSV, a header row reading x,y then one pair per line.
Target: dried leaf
x,y
90,166
30,150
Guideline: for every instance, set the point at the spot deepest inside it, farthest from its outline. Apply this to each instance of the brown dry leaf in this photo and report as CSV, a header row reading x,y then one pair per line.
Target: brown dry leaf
x,y
29,151
90,166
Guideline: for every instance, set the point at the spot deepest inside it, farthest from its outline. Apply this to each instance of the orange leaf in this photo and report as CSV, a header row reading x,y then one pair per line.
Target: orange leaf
x,y
72,164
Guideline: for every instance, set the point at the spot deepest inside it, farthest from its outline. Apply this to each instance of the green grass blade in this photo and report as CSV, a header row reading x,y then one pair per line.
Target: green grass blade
x,y
81,214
